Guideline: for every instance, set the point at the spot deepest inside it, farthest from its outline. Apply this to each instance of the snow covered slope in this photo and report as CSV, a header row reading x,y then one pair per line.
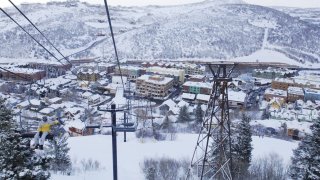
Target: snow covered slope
x,y
132,153
210,29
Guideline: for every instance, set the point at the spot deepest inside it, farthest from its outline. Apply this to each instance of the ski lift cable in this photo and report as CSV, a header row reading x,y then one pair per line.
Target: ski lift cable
x,y
31,35
113,41
39,31
59,60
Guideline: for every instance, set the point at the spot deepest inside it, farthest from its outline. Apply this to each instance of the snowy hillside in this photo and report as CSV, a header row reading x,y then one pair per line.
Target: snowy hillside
x,y
210,29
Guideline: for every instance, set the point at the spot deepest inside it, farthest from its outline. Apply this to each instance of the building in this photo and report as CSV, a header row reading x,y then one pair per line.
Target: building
x,y
282,83
191,69
197,87
272,93
132,72
155,86
202,98
178,74
22,74
295,93
52,69
272,73
94,99
312,82
311,94
236,98
188,97
197,78
88,75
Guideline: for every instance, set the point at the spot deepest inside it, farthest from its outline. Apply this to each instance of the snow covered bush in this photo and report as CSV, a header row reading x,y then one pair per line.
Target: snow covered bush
x,y
90,165
268,167
164,169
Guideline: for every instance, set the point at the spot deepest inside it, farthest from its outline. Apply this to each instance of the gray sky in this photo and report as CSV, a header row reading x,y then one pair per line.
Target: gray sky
x,y
289,3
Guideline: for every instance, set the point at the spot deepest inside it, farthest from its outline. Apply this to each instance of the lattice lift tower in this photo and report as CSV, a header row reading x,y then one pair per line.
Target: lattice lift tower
x,y
212,157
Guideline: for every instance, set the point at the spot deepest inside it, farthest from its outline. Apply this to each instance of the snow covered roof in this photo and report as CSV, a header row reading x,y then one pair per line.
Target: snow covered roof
x,y
182,103
197,76
155,79
203,97
23,70
198,84
76,124
237,96
46,111
86,94
171,71
188,96
170,103
312,91
95,97
35,102
277,92
54,100
23,104
295,90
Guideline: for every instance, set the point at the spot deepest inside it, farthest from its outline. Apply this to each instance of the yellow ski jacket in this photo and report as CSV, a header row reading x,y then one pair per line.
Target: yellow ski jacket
x,y
46,126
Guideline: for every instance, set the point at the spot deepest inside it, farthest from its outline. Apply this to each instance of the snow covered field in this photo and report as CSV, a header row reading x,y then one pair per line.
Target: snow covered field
x,y
132,153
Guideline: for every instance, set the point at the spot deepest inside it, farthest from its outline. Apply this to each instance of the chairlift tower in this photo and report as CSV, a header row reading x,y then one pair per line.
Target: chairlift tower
x,y
212,157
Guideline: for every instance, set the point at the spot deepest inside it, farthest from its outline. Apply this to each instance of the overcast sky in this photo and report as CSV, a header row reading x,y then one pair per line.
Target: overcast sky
x,y
289,3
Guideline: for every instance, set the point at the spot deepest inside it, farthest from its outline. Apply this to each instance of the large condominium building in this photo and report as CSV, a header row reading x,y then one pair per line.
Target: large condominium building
x,y
197,87
132,72
272,73
299,81
178,73
191,69
155,86
22,74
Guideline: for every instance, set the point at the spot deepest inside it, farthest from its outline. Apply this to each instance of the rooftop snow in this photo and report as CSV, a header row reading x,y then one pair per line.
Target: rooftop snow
x,y
295,90
198,84
278,92
148,78
23,70
203,97
237,96
188,96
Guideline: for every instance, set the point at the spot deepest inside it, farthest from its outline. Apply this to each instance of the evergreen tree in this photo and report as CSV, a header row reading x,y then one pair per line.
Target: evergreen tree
x,y
184,115
199,114
306,160
242,148
166,122
59,152
17,160
169,128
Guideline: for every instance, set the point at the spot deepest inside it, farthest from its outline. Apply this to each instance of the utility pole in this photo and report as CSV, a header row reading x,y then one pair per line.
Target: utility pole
x,y
114,141
212,158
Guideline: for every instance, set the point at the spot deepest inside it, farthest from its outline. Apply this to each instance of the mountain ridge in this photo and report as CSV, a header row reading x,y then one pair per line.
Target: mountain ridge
x,y
201,30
